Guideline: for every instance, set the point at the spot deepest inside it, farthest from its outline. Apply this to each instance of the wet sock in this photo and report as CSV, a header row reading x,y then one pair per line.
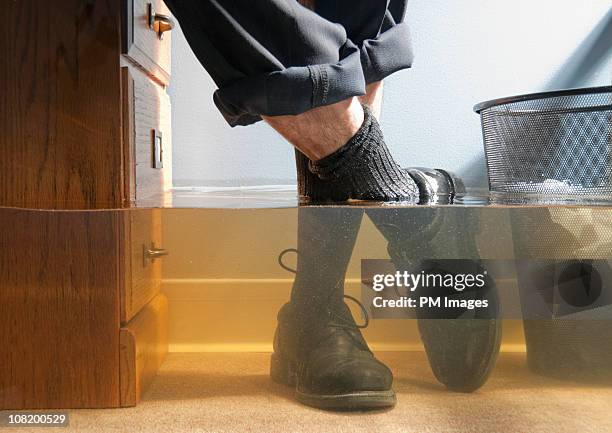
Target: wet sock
x,y
362,169
326,238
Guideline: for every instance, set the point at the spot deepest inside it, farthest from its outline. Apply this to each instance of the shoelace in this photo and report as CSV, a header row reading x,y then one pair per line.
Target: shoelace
x,y
346,324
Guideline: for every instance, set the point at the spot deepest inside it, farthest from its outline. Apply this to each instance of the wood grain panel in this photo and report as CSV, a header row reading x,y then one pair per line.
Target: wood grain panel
x,y
59,302
143,277
144,345
141,44
60,92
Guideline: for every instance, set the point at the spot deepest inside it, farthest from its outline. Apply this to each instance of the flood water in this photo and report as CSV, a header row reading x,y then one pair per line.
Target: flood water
x,y
227,271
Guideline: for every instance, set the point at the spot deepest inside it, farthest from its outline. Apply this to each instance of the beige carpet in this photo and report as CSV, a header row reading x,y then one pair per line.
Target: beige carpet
x,y
232,393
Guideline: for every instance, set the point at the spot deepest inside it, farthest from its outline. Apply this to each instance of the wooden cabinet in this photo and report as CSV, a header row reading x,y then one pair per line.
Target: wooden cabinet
x,y
142,262
85,121
143,43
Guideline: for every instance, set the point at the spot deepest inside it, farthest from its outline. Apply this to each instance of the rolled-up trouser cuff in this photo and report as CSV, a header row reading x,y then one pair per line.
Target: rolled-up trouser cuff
x,y
388,53
293,90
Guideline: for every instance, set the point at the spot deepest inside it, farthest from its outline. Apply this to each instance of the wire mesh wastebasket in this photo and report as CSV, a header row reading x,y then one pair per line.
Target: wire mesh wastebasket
x,y
549,147
553,147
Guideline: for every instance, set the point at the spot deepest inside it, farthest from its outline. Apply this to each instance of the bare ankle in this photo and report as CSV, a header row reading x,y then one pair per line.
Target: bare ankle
x,y
321,131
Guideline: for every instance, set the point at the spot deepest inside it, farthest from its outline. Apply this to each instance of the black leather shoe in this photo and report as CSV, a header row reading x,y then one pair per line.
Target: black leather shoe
x,y
462,345
329,362
461,352
436,186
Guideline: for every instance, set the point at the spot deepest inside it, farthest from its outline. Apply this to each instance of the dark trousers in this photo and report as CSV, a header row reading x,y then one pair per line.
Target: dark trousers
x,y
276,57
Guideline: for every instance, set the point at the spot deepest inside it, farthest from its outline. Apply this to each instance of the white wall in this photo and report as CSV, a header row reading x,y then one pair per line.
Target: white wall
x,y
466,51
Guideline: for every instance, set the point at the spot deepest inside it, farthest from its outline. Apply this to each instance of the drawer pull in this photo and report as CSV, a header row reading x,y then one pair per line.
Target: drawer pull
x,y
160,23
152,253
158,151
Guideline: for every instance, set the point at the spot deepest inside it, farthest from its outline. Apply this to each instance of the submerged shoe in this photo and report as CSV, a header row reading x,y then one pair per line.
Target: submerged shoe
x,y
329,362
461,344
461,352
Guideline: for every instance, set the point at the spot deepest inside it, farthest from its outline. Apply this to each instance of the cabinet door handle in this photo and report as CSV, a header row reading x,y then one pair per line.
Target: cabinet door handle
x,y
153,253
160,23
164,22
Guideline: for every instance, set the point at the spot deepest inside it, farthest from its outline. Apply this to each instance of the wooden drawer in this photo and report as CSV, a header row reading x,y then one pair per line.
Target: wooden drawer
x,y
147,135
142,272
141,42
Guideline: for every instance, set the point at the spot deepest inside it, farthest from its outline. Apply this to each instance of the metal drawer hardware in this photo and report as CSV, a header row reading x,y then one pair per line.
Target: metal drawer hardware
x,y
159,23
158,150
152,253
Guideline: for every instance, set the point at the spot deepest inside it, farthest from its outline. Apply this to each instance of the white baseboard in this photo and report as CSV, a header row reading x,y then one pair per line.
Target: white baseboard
x,y
239,315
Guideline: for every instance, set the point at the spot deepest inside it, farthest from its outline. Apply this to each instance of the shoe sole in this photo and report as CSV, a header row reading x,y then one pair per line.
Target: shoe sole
x,y
361,400
285,373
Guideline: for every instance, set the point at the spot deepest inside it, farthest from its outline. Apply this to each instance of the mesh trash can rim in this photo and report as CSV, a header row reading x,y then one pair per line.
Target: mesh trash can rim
x,y
550,147
542,95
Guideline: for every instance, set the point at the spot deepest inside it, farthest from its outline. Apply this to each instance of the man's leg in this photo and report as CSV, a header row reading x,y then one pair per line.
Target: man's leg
x,y
320,131
318,347
315,135
461,344
302,73
376,27
316,333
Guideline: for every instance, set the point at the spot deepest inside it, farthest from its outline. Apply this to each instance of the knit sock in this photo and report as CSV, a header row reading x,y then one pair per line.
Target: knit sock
x,y
362,169
325,240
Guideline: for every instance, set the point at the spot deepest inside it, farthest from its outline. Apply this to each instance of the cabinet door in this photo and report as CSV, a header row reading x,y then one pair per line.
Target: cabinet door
x,y
143,42
144,255
148,137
